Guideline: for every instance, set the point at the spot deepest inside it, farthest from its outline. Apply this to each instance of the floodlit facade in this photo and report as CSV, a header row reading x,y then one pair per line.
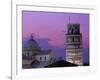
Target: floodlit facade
x,y
74,44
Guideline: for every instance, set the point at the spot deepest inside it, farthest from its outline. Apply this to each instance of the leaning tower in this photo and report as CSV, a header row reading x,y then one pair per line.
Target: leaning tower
x,y
74,44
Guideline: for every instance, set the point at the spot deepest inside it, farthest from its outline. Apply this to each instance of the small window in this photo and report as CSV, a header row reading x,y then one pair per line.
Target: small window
x,y
40,58
45,57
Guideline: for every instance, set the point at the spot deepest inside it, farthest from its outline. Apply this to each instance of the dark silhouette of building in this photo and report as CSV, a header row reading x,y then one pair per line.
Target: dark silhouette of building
x,y
61,63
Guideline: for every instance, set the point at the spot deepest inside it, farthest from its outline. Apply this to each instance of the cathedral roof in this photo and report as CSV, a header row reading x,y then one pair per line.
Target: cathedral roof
x,y
44,52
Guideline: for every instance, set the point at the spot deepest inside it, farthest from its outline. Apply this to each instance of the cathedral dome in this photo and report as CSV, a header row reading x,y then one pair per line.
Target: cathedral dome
x,y
31,43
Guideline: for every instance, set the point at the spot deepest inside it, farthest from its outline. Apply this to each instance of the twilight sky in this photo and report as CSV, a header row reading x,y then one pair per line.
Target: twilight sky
x,y
49,29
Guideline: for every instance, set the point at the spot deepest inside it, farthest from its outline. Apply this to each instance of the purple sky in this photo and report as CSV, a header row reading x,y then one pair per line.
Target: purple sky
x,y
49,29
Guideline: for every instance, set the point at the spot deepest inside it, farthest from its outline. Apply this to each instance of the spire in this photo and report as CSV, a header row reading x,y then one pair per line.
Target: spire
x,y
68,19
